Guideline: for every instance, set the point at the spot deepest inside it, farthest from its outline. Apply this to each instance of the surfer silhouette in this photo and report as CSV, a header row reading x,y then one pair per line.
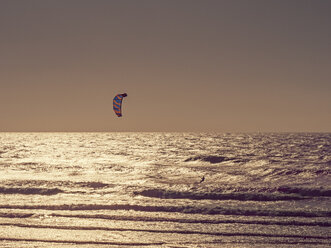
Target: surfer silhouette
x,y
202,179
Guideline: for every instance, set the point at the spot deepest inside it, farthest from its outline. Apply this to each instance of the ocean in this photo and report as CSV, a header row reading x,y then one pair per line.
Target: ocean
x,y
165,190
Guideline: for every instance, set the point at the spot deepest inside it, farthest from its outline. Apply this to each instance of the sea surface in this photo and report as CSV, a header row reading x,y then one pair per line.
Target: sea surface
x,y
147,190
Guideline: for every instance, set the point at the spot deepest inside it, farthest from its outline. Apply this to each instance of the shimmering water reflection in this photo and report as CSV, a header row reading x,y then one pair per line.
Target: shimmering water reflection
x,y
143,189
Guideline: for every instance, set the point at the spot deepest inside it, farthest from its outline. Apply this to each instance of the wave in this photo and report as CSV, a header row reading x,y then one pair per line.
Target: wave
x,y
284,222
81,242
240,196
93,185
298,171
305,191
166,231
29,163
16,215
189,209
302,192
30,191
56,184
194,221
209,158
220,241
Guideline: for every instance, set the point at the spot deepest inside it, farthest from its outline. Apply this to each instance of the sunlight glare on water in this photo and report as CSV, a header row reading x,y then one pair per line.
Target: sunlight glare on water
x,y
144,189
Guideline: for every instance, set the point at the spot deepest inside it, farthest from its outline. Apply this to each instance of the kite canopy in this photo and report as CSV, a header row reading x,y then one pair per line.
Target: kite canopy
x,y
117,104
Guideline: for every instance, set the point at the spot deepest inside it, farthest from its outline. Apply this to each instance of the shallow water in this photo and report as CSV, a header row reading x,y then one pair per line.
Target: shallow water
x,y
143,189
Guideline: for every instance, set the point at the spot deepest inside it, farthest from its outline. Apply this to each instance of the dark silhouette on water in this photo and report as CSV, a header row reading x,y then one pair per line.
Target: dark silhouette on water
x,y
202,179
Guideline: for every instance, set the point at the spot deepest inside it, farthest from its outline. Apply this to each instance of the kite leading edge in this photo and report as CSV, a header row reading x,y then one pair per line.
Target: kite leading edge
x,y
117,104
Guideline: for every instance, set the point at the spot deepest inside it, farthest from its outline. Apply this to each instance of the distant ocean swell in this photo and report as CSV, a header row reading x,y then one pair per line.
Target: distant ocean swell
x,y
190,209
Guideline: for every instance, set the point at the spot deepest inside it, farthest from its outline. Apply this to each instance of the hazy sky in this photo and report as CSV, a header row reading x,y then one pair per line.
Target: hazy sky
x,y
186,65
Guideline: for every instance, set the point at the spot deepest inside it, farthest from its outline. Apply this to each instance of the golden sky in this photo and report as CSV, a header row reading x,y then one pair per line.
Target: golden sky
x,y
226,66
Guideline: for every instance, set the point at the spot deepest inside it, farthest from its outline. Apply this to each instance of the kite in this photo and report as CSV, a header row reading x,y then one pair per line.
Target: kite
x,y
117,104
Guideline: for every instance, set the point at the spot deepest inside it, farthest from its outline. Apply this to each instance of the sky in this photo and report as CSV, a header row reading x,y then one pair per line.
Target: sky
x,y
188,65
